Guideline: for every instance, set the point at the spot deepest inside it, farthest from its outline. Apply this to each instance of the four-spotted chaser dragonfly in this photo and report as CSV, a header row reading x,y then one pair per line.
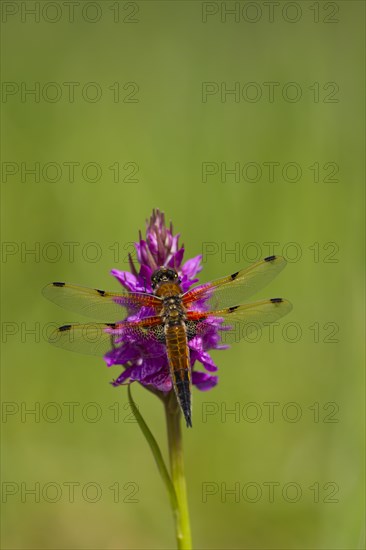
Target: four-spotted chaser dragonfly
x,y
176,317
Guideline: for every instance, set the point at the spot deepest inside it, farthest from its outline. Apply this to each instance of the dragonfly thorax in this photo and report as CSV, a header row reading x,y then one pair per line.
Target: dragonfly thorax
x,y
173,311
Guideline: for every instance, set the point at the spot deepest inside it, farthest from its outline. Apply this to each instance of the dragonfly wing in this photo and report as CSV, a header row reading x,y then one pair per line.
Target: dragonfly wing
x,y
235,288
236,323
90,338
145,338
100,304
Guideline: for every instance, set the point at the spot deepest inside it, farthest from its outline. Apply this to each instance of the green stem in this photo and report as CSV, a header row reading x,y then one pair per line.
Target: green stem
x,y
175,443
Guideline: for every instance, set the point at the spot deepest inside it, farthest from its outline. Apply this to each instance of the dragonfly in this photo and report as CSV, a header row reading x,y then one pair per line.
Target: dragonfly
x,y
176,317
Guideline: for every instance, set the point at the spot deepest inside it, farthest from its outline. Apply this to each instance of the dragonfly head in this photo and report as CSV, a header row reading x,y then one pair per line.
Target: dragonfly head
x,y
164,275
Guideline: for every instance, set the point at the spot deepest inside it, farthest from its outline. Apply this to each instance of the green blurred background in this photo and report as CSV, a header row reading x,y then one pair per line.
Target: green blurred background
x,y
313,368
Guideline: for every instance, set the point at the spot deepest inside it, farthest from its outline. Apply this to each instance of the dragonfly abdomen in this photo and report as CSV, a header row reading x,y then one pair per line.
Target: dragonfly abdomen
x,y
179,365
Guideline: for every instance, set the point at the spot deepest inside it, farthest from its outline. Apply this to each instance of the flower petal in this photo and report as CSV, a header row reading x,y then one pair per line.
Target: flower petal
x,y
204,358
122,377
193,266
127,279
204,381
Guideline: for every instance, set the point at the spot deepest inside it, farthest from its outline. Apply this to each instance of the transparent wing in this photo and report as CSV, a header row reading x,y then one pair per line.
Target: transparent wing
x,y
100,304
145,337
236,288
237,322
90,338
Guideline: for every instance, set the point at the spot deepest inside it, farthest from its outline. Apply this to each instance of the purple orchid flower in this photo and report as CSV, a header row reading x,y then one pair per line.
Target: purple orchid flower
x,y
145,360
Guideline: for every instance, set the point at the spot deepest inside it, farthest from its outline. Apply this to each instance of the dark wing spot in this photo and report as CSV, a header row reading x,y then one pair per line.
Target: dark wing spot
x,y
276,300
111,325
101,292
191,329
270,258
58,284
234,275
233,308
64,327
